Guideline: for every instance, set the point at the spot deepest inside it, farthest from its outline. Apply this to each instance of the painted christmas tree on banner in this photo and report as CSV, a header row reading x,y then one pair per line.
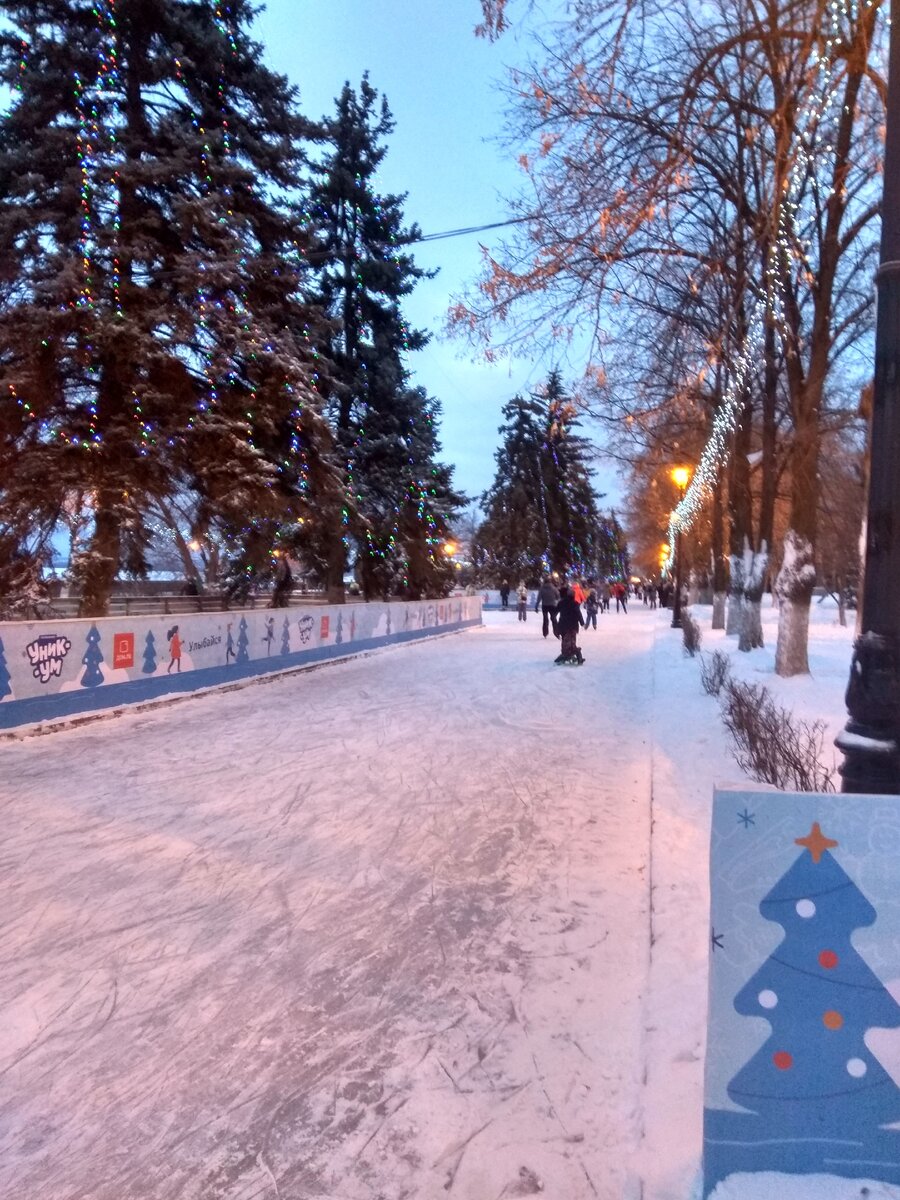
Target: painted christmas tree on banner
x,y
815,1099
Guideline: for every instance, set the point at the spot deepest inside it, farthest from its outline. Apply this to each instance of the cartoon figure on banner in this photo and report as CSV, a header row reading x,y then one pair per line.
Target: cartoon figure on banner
x,y
813,1099
243,642
46,655
229,644
286,637
174,639
269,635
352,625
305,626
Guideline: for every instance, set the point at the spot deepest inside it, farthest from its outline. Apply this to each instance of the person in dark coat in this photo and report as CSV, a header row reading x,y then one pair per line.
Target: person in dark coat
x,y
591,607
504,595
569,620
284,583
547,601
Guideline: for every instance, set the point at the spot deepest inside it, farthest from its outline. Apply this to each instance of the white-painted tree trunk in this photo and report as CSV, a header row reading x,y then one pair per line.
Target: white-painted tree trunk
x,y
756,564
791,656
794,587
751,634
718,607
735,594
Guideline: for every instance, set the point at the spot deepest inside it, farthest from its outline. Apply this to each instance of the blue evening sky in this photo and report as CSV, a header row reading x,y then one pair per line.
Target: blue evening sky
x,y
442,84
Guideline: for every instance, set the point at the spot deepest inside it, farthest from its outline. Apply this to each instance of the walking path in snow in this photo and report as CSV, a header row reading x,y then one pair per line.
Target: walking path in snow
x,y
378,930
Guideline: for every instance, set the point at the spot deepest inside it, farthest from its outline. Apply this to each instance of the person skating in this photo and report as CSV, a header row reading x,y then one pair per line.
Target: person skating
x,y
522,601
548,602
568,621
504,595
591,608
621,593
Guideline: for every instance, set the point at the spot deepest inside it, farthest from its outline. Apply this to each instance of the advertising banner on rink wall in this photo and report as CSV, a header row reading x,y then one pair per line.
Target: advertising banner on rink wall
x,y
803,1051
56,669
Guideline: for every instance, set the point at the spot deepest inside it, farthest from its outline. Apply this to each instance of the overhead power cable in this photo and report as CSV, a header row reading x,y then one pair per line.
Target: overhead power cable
x,y
450,233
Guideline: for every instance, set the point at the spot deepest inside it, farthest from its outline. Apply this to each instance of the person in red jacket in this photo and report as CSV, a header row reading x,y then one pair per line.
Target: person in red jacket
x,y
620,591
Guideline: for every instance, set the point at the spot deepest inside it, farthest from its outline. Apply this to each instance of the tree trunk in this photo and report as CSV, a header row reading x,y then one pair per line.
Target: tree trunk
x,y
794,587
718,609
740,506
735,594
337,565
191,571
719,569
98,567
769,480
754,575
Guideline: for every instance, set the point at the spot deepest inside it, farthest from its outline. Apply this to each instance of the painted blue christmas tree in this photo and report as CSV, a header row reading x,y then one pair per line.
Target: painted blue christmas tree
x,y
92,659
243,642
338,637
5,677
815,1098
286,637
149,665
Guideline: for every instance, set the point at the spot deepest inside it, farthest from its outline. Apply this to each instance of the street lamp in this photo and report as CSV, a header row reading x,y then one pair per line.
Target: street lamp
x,y
680,476
870,741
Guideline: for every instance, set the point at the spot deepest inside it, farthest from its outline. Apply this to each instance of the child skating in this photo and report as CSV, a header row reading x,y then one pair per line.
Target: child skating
x,y
568,620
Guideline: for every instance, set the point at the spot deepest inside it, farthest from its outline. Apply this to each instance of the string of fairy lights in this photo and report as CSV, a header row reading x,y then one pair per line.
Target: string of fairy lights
x,y
818,112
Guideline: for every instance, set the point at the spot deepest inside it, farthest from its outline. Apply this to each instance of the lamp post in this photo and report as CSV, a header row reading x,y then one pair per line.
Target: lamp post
x,y
680,475
870,741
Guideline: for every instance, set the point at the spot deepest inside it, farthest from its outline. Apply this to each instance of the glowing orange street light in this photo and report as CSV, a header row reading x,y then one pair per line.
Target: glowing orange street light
x,y
681,477
449,549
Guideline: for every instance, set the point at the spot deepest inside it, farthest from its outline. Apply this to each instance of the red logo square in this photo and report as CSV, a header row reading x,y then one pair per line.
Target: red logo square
x,y
323,631
123,650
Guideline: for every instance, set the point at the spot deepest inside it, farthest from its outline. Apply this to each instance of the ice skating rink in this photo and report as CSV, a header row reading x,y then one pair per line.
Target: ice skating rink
x,y
391,928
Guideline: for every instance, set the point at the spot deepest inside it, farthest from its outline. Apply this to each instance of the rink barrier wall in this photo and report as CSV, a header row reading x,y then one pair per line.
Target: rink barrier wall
x,y
51,670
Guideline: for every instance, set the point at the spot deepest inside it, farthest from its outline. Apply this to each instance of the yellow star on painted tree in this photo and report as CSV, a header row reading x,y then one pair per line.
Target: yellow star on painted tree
x,y
815,842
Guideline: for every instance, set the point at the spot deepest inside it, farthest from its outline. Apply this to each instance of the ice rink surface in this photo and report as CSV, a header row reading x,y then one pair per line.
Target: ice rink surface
x,y
373,931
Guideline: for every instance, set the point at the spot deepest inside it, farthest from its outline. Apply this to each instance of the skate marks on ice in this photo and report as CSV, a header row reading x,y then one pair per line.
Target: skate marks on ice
x,y
355,934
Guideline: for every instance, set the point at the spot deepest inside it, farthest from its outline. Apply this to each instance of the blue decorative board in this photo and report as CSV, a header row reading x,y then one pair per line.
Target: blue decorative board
x,y
803,1052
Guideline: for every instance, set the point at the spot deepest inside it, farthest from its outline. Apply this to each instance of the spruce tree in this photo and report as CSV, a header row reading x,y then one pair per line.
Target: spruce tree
x,y
571,503
512,541
399,498
148,326
542,510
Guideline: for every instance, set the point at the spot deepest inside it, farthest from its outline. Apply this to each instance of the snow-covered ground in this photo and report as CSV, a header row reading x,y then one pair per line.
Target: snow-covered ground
x,y
427,923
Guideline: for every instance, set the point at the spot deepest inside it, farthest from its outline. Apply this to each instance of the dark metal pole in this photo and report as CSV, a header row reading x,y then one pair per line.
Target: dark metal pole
x,y
676,604
870,741
676,607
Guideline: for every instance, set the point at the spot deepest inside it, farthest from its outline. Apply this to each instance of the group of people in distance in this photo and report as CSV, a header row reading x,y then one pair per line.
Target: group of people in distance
x,y
561,606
